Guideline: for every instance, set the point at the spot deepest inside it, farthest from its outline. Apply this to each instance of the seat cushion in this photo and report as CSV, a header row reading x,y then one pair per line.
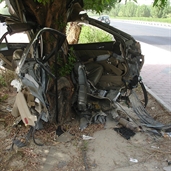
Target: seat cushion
x,y
94,72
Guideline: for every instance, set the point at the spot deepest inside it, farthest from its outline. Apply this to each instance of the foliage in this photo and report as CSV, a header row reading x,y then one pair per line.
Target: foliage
x,y
105,5
99,5
114,11
43,1
166,12
160,3
95,5
131,9
156,12
65,67
143,11
92,34
102,5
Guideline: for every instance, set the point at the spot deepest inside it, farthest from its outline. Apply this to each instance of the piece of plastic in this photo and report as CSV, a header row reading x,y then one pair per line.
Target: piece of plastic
x,y
85,137
133,160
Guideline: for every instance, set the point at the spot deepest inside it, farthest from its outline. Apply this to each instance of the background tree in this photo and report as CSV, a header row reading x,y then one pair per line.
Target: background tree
x,y
143,11
156,12
121,12
166,10
130,9
114,11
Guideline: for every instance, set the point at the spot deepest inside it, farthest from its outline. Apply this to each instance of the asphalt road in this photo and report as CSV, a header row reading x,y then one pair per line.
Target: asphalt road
x,y
151,34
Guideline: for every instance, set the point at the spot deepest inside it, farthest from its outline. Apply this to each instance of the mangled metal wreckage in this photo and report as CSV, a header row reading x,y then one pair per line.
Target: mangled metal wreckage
x,y
104,72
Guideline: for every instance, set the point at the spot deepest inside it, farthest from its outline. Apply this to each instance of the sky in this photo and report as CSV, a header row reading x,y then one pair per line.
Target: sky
x,y
2,9
140,2
146,2
2,4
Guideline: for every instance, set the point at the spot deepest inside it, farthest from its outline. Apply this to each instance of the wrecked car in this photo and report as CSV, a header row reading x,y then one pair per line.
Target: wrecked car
x,y
103,72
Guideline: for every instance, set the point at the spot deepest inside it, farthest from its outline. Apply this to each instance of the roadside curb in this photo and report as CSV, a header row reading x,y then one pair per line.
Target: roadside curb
x,y
147,23
167,107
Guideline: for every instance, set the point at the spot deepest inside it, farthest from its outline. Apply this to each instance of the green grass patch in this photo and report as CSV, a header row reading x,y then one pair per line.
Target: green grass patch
x,y
3,97
92,35
2,81
6,76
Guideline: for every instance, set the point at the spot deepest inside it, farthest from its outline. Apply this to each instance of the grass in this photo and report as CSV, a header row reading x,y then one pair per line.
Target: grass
x,y
149,19
6,76
92,34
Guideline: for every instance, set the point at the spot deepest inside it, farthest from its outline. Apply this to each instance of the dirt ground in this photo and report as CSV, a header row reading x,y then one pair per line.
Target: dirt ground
x,y
105,150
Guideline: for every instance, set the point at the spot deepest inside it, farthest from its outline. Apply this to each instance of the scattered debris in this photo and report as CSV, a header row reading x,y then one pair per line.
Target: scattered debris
x,y
133,160
154,147
125,132
2,120
65,137
59,131
17,121
152,108
84,122
166,134
124,120
169,162
15,83
85,137
99,118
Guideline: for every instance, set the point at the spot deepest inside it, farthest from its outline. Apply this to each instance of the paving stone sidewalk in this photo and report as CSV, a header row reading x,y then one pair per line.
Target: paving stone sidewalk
x,y
156,73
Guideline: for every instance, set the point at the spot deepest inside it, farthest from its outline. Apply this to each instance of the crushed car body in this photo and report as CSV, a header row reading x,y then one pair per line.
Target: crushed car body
x,y
103,73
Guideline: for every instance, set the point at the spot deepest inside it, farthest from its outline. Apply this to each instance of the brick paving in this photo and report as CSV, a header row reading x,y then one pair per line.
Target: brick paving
x,y
156,74
158,79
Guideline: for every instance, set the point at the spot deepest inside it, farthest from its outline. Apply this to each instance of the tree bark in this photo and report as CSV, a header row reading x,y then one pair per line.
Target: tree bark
x,y
54,15
73,33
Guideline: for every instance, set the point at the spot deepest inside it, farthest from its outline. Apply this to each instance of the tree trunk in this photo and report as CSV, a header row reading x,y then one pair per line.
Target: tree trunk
x,y
73,33
54,15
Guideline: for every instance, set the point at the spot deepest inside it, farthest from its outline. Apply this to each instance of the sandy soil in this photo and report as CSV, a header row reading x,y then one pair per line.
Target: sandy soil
x,y
107,150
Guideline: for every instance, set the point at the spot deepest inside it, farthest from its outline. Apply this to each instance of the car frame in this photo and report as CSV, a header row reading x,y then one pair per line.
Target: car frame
x,y
124,48
122,54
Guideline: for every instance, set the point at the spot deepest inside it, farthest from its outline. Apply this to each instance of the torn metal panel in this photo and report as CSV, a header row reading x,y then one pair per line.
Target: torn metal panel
x,y
15,111
24,111
141,112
